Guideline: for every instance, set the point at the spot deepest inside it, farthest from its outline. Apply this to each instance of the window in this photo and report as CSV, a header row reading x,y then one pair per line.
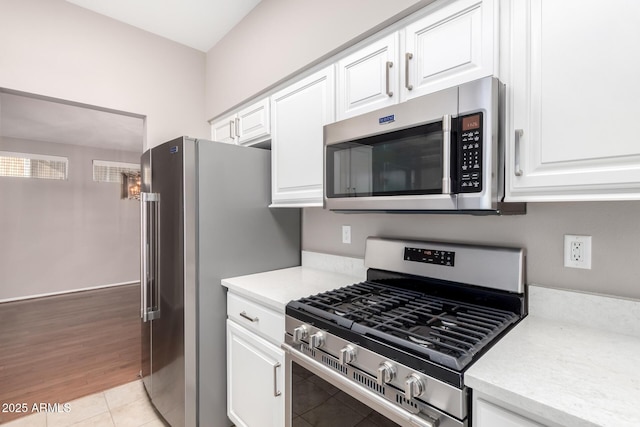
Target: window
x,y
27,165
104,171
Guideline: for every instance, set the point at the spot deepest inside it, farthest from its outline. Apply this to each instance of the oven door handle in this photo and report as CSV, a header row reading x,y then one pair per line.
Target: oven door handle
x,y
381,404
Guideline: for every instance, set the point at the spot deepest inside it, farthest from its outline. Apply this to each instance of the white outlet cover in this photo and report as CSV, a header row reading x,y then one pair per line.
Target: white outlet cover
x,y
585,242
346,234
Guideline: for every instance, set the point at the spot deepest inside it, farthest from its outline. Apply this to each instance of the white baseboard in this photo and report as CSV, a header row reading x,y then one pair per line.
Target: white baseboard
x,y
70,291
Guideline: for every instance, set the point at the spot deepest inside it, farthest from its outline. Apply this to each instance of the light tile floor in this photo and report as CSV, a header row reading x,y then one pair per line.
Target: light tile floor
x,y
123,406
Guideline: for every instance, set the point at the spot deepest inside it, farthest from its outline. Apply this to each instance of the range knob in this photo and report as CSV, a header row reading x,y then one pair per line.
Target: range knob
x,y
316,340
347,354
300,333
386,373
413,386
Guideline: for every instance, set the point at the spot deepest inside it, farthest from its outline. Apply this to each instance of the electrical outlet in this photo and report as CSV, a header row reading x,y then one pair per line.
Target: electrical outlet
x,y
577,251
346,234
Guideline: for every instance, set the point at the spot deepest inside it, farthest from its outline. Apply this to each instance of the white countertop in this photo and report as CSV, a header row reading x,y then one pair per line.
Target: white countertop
x,y
571,373
276,288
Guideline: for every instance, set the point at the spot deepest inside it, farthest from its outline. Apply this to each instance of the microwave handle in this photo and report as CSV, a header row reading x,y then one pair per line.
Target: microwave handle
x,y
446,154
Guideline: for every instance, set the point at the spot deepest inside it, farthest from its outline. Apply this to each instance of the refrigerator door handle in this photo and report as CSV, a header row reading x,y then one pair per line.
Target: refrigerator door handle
x,y
154,313
150,255
144,258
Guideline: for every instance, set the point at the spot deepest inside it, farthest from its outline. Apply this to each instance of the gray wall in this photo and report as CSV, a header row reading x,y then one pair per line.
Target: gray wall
x,y
59,236
280,37
57,49
615,227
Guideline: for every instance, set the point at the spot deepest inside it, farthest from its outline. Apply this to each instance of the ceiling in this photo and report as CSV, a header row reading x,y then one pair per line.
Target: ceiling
x,y
49,120
199,24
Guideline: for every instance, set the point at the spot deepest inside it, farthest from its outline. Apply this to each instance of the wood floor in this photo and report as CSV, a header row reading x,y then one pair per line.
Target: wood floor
x,y
56,349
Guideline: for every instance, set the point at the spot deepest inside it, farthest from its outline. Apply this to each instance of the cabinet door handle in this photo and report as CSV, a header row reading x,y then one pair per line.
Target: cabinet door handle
x,y
389,66
407,57
232,128
276,392
246,316
238,127
517,170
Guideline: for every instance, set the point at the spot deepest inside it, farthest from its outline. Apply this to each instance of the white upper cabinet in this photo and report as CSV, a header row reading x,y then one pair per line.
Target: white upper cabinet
x,y
453,44
368,79
224,130
572,75
249,126
299,113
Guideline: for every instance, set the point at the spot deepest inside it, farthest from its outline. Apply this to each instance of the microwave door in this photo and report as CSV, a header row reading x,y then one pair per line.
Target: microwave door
x,y
409,166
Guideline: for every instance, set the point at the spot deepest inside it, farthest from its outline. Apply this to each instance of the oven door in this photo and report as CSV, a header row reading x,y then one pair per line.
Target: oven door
x,y
315,395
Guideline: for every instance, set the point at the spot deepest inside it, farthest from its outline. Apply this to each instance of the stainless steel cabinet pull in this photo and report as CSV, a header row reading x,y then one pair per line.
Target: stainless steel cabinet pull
x,y
389,66
237,127
517,170
246,316
407,57
232,129
276,392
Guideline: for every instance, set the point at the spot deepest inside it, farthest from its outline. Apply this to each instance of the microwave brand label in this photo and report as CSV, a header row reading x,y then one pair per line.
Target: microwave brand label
x,y
387,119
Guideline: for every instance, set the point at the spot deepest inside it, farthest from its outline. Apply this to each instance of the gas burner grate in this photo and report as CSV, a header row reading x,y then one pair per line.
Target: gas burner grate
x,y
448,332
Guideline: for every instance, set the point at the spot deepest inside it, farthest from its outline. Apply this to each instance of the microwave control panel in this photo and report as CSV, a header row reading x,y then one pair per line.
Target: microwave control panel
x,y
470,153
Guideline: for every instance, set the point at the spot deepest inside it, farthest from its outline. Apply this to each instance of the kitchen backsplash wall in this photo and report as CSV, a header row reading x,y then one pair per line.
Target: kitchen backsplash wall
x,y
64,235
615,227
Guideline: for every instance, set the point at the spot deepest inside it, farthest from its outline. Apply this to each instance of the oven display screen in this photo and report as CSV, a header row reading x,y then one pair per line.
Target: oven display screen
x,y
430,256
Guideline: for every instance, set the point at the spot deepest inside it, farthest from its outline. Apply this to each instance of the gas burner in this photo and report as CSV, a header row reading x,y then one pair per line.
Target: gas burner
x,y
421,342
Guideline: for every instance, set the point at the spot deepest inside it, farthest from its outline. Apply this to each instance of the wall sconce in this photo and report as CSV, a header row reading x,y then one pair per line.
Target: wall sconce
x,y
130,186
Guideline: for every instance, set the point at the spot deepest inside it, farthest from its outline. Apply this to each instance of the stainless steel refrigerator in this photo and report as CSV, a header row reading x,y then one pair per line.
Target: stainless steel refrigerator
x,y
204,217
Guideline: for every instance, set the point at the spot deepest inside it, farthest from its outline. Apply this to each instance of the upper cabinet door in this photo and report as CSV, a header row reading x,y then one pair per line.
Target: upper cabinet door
x,y
254,123
451,45
572,77
368,79
299,113
224,130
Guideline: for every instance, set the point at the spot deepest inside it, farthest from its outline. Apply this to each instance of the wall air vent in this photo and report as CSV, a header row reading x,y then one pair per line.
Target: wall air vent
x,y
29,165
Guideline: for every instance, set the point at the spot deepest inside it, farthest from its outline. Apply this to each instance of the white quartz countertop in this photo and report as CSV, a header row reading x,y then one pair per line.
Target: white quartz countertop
x,y
276,288
571,373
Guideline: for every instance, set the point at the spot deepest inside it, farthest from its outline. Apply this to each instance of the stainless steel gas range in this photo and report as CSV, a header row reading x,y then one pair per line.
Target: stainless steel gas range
x,y
400,342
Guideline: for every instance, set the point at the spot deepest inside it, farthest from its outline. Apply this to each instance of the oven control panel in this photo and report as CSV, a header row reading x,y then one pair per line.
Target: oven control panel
x,y
430,256
470,150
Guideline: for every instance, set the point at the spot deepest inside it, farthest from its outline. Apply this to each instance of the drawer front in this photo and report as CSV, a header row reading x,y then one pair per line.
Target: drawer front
x,y
265,322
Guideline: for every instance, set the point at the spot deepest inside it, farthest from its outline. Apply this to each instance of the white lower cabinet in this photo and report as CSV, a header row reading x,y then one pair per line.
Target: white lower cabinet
x,y
488,411
486,414
255,379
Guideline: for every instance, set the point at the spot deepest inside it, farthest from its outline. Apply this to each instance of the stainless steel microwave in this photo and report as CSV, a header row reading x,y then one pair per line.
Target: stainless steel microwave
x,y
440,152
